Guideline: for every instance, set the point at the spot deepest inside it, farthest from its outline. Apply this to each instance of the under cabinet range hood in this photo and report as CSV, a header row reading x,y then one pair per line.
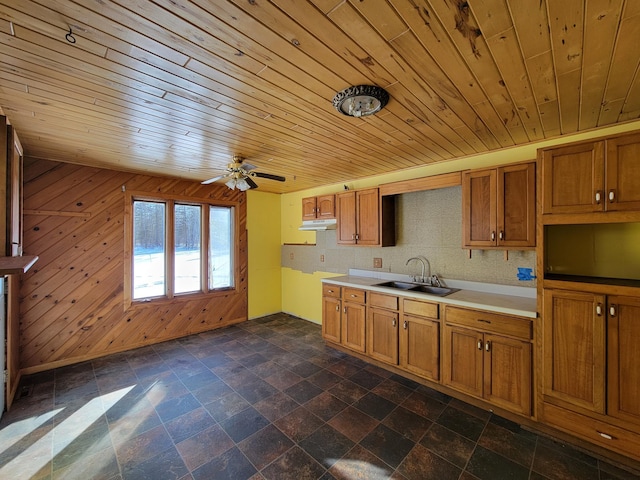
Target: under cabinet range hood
x,y
325,224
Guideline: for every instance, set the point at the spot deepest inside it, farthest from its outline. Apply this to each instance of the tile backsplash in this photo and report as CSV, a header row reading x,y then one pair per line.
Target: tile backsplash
x,y
428,223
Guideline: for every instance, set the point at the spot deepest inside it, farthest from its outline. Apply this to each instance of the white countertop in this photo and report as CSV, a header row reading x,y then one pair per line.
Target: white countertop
x,y
489,297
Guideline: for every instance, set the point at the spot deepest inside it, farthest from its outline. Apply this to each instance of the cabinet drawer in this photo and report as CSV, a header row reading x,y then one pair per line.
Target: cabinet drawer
x,y
354,295
330,290
595,431
489,322
383,301
422,309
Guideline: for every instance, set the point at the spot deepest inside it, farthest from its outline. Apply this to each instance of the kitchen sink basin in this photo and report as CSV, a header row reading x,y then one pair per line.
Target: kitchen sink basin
x,y
419,287
399,285
440,291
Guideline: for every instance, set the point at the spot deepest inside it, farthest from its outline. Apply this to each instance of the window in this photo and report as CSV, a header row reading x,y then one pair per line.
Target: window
x,y
181,248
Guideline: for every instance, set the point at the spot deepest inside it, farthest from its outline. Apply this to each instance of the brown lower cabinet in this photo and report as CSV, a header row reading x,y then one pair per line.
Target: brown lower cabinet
x,y
404,332
591,373
382,327
420,338
488,356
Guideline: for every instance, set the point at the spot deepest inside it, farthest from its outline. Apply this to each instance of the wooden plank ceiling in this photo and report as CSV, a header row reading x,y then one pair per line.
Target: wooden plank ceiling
x,y
177,87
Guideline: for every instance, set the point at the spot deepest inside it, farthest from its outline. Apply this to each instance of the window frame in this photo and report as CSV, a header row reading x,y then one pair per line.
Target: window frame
x,y
170,201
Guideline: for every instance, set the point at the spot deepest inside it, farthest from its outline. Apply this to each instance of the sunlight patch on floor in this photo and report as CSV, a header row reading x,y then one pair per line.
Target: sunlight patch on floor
x,y
36,456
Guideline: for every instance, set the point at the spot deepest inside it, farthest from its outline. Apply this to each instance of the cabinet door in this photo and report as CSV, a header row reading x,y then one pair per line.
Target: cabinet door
x,y
574,348
368,217
309,208
624,366
325,206
382,335
517,205
420,347
507,373
331,319
573,179
479,210
462,354
346,216
353,326
623,173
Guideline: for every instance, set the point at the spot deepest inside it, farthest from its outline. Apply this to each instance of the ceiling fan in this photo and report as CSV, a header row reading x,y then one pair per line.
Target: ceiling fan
x,y
241,176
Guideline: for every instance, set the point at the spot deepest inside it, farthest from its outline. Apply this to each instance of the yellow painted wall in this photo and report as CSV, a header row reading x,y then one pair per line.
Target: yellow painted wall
x,y
263,225
301,292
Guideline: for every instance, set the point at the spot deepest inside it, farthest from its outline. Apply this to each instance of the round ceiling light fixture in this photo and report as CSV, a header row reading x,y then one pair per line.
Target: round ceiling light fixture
x,y
361,100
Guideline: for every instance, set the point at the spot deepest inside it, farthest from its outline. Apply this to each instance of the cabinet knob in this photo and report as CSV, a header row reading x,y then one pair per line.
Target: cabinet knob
x,y
612,196
493,235
501,235
479,344
612,310
405,325
598,197
606,435
487,346
344,310
393,322
337,308
599,309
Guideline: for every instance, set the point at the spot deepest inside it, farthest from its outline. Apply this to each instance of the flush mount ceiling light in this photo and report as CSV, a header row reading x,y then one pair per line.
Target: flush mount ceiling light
x,y
361,100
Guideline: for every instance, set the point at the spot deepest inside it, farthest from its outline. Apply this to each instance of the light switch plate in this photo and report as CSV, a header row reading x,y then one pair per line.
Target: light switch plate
x,y
377,263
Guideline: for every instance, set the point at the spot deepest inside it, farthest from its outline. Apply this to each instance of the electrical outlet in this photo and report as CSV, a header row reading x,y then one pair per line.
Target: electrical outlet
x,y
321,258
291,256
377,263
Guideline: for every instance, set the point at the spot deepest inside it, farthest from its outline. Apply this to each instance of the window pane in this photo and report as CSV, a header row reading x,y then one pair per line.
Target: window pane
x,y
220,247
187,255
148,249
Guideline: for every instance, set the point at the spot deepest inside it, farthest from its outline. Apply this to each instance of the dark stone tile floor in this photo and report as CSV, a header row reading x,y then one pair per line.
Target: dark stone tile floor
x,y
265,399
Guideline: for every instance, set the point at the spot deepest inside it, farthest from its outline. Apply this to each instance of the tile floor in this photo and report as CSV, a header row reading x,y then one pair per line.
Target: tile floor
x,y
263,400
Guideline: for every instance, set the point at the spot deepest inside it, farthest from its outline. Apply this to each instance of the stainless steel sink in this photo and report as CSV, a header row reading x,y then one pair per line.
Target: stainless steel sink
x,y
439,291
418,287
399,285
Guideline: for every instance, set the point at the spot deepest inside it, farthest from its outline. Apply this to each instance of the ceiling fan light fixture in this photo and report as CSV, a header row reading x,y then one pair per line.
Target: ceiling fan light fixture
x,y
239,183
361,100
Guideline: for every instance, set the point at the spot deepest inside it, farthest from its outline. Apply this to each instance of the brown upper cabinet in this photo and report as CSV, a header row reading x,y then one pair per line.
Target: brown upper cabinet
x,y
322,206
365,218
499,207
592,176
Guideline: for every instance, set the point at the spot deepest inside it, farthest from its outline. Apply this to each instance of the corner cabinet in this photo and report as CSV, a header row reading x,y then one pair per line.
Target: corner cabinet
x,y
320,207
488,356
365,218
499,207
588,177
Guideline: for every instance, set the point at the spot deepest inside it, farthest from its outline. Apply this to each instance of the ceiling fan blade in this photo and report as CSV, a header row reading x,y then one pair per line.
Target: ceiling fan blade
x,y
277,178
251,183
214,179
247,166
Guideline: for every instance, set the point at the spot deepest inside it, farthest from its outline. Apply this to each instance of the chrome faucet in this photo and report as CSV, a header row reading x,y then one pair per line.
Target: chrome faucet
x,y
424,263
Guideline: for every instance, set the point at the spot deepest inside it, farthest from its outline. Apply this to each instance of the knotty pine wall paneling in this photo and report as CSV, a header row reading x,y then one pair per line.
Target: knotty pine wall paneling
x,y
72,302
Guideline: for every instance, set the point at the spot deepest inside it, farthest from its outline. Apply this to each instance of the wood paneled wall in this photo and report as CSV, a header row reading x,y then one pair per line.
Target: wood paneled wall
x,y
72,303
